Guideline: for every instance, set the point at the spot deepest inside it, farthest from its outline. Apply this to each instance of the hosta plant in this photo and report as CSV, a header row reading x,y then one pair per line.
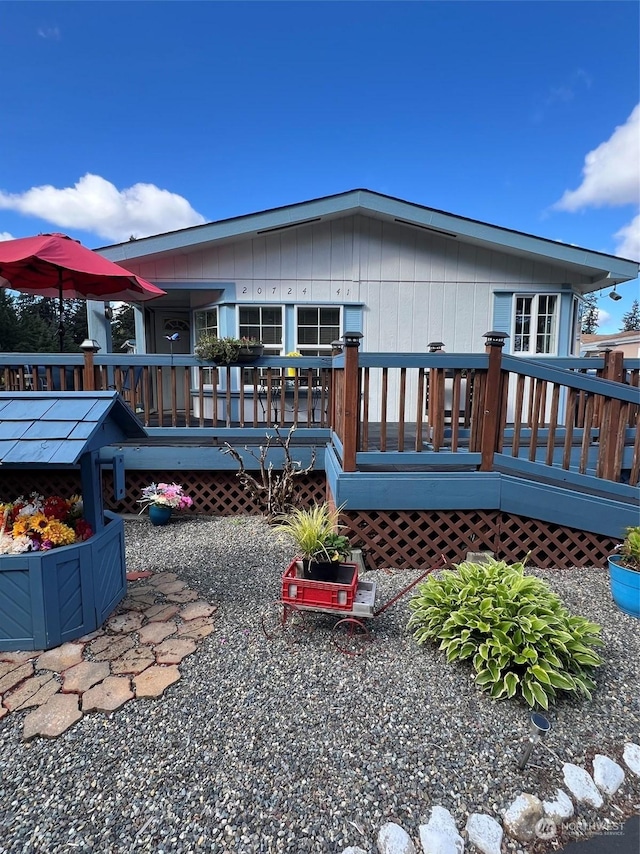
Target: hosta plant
x,y
518,635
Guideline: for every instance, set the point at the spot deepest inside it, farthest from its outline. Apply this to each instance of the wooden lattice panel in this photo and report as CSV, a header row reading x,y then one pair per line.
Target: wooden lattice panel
x,y
214,493
16,482
551,545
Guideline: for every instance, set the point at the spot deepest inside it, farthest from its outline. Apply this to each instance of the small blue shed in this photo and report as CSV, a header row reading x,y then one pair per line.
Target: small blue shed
x,y
49,597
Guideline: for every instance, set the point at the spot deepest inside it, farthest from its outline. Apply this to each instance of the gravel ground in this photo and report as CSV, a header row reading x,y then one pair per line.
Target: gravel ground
x,y
267,747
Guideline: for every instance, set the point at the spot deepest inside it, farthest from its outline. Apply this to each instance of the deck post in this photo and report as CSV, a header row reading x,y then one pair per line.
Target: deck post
x,y
350,400
89,348
614,371
492,398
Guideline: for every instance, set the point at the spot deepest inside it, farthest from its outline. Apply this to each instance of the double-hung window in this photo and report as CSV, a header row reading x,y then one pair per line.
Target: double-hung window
x,y
206,323
535,324
316,328
264,323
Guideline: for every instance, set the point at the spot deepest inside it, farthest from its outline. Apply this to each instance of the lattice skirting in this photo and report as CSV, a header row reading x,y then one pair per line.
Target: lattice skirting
x,y
402,539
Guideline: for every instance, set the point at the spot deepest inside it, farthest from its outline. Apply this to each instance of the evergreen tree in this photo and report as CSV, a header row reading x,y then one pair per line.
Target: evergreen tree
x,y
631,319
590,315
8,322
122,327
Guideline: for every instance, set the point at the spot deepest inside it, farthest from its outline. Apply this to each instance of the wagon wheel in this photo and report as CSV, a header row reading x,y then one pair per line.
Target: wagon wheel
x,y
281,619
351,636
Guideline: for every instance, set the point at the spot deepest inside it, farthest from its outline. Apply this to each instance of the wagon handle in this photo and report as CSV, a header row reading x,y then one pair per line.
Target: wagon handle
x,y
440,563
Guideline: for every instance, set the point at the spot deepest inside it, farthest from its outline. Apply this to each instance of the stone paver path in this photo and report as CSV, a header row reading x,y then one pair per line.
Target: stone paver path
x,y
135,654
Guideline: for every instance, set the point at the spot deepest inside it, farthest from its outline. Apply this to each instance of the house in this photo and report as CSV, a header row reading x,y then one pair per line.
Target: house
x,y
627,342
404,275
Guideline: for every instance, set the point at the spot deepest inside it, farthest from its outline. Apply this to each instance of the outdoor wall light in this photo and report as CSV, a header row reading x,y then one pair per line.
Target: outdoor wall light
x,y
540,726
614,295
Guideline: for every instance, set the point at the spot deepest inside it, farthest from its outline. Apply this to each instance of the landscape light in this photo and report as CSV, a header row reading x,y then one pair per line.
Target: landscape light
x,y
540,726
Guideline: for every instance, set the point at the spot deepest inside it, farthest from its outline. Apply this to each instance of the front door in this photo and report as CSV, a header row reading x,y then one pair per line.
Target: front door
x,y
173,336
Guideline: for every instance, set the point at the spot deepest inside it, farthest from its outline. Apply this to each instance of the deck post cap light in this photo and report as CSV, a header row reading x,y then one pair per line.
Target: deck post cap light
x,y
435,346
495,339
90,345
351,339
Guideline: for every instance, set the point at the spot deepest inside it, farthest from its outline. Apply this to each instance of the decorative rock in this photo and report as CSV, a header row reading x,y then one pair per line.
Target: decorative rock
x,y
485,833
440,835
161,613
110,647
580,784
108,696
172,651
154,633
134,661
393,839
522,816
560,809
631,756
32,692
83,676
353,849
197,629
140,594
607,774
196,610
125,623
16,676
154,680
53,718
60,658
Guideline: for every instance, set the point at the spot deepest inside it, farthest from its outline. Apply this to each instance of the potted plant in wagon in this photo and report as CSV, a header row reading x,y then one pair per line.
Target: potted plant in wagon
x,y
624,573
227,350
322,550
162,499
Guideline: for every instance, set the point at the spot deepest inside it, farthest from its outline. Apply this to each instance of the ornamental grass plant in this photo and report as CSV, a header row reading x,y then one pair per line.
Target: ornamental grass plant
x,y
517,634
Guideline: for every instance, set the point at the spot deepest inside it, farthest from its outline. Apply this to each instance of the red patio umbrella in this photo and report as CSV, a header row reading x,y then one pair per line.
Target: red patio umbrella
x,y
55,265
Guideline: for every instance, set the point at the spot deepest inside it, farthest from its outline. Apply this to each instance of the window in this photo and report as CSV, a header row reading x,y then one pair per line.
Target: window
x,y
263,322
316,328
535,324
206,323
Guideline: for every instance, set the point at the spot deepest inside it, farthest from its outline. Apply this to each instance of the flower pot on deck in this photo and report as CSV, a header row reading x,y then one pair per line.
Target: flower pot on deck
x,y
625,586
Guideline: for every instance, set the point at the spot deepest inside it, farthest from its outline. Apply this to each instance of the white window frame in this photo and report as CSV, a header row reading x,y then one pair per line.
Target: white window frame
x,y
302,348
534,316
208,329
270,349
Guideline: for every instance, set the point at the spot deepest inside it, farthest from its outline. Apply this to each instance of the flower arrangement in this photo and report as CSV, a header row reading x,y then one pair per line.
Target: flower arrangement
x,y
37,523
210,348
165,495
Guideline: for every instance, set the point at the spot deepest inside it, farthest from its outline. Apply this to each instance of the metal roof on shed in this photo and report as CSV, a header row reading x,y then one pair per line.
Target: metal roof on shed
x,y
57,428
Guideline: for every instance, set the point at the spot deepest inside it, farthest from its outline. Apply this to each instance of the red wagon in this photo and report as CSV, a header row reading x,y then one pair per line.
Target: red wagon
x,y
348,597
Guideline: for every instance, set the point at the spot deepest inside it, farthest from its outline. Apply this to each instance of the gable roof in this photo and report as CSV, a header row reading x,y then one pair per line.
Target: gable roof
x,y
53,428
598,268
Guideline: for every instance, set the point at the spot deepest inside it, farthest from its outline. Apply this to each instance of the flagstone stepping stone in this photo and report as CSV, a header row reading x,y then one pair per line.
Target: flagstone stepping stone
x,y
7,667
141,594
183,596
154,633
196,629
53,718
172,651
60,658
134,660
171,587
3,712
16,676
161,577
34,691
91,636
580,784
196,610
161,612
83,676
19,656
125,623
111,646
132,606
109,695
155,680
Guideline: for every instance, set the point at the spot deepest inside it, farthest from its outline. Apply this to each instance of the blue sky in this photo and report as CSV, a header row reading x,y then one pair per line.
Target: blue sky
x,y
138,118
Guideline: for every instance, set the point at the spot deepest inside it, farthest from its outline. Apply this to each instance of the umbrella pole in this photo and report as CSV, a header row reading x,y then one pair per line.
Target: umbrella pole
x,y
61,312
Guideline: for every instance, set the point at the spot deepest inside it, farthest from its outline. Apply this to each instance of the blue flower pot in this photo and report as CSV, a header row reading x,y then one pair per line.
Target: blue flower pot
x,y
159,514
625,587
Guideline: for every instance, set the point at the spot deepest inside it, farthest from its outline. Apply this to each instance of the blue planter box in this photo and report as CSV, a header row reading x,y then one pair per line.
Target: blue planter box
x,y
47,598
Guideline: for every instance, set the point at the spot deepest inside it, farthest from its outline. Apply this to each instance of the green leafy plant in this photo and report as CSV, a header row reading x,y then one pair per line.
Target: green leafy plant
x,y
226,350
517,633
630,549
315,532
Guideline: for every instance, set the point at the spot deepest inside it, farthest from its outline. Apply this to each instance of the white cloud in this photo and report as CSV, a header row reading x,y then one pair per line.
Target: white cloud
x,y
611,172
603,317
96,205
5,235
628,240
49,33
